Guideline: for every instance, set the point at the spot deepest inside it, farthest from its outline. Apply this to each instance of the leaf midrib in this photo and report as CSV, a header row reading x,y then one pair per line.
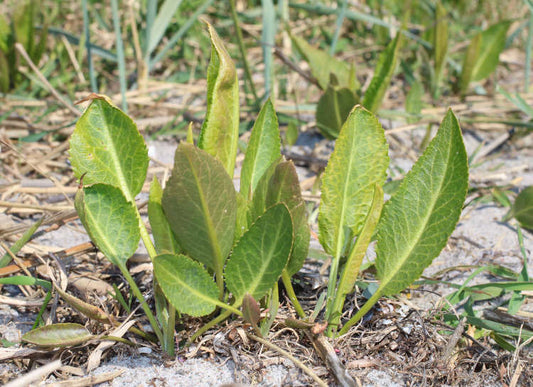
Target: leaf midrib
x,y
191,289
265,264
115,159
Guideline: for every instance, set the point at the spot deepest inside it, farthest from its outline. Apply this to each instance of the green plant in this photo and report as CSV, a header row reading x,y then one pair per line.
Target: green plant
x,y
482,55
522,208
415,223
20,28
202,228
341,90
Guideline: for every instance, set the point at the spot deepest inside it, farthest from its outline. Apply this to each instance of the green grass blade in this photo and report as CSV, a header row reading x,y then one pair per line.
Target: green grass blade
x,y
529,43
382,75
161,23
120,54
15,248
22,280
88,47
357,16
95,49
268,36
341,15
242,50
179,34
220,130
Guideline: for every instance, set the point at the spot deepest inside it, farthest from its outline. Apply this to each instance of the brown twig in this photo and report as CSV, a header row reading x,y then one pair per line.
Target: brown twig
x,y
51,89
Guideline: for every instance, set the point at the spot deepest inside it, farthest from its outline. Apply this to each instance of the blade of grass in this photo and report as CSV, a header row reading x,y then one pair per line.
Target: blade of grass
x,y
95,49
21,242
179,34
358,16
120,54
161,23
267,41
242,50
342,5
529,41
92,76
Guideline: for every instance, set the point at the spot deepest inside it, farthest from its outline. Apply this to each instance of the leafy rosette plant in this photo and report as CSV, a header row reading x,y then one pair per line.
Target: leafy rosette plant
x,y
214,249
411,228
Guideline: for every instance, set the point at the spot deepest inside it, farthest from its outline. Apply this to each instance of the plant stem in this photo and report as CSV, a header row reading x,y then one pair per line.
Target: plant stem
x,y
240,42
137,293
168,330
361,312
210,324
290,292
332,284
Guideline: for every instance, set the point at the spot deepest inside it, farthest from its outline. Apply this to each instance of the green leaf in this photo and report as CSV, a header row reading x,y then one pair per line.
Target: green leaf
x,y
164,239
523,208
440,44
23,20
4,73
107,147
291,135
353,263
260,255
201,206
382,75
5,34
492,44
58,335
322,65
263,149
15,248
110,221
285,188
332,110
472,53
186,284
258,205
413,102
357,164
418,220
161,23
26,281
220,130
91,311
